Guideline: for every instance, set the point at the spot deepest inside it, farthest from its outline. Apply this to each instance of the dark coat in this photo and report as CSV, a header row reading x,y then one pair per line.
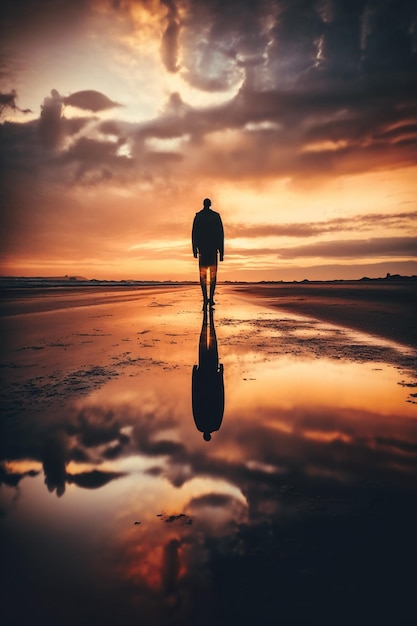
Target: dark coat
x,y
207,233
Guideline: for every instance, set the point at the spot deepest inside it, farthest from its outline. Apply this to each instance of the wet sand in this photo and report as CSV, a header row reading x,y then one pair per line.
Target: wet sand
x,y
388,310
300,510
34,320
384,309
38,299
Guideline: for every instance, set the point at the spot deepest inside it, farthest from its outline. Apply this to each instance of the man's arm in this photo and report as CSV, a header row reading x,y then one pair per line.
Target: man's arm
x,y
193,237
221,239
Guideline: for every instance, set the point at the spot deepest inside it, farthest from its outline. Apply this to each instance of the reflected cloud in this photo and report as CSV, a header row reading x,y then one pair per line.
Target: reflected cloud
x,y
13,478
207,387
55,457
170,567
93,479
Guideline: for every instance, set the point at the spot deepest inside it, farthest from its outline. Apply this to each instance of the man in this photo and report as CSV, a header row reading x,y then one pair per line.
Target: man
x,y
208,243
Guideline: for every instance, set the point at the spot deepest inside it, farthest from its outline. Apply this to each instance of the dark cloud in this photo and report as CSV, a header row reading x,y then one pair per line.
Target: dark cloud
x,y
311,229
404,446
330,104
161,448
8,101
299,113
96,429
351,249
90,100
94,479
342,127
169,45
291,42
12,479
389,38
210,500
95,160
170,567
54,128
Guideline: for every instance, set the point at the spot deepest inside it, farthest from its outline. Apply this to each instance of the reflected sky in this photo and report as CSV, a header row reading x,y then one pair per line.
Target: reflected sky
x,y
110,495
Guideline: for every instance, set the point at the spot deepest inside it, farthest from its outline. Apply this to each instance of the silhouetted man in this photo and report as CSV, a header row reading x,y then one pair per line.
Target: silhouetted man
x,y
208,243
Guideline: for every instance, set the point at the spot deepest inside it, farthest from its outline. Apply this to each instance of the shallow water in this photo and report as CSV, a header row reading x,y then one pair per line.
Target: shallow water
x,y
300,510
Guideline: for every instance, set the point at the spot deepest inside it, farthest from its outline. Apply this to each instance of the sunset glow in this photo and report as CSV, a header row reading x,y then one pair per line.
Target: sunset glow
x,y
297,119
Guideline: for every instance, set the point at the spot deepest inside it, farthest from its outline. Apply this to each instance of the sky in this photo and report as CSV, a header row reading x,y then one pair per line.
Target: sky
x,y
297,118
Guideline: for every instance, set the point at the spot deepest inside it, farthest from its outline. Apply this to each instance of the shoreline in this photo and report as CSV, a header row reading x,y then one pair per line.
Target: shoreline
x,y
388,310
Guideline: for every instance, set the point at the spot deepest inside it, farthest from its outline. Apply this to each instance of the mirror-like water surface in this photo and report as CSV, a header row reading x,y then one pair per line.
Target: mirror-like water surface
x,y
301,509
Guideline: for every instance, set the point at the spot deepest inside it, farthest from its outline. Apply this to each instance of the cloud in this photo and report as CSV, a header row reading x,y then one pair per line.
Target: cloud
x,y
12,479
8,101
54,128
94,429
90,100
311,229
169,44
319,90
170,567
314,119
312,131
214,500
96,160
353,249
93,479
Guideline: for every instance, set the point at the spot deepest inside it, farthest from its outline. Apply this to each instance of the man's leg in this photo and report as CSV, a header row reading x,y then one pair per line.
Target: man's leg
x,y
203,282
213,278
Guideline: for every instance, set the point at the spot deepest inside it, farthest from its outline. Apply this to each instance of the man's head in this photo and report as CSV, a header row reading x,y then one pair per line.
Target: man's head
x,y
207,203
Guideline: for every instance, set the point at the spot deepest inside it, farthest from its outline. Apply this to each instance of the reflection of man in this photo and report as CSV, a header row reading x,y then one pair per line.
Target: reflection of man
x,y
53,461
208,242
207,382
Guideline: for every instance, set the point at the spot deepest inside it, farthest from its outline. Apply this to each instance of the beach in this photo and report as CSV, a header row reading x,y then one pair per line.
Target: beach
x,y
300,509
387,309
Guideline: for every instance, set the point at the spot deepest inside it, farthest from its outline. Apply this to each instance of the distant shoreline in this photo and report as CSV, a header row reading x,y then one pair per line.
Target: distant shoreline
x,y
73,282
